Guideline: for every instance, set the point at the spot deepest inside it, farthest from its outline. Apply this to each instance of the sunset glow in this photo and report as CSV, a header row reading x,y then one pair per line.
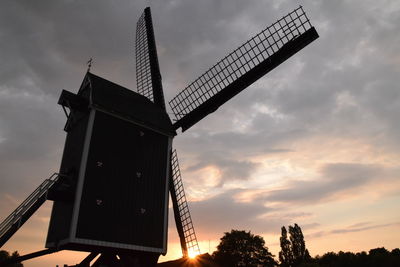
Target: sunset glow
x,y
193,255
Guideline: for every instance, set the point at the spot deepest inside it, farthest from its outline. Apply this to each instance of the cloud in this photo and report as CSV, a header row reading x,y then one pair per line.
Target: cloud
x,y
308,226
226,211
229,169
266,209
31,130
222,213
360,229
229,210
334,181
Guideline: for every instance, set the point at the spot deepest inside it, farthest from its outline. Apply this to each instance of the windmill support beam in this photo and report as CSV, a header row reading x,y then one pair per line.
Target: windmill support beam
x,y
86,261
27,257
23,212
14,228
212,104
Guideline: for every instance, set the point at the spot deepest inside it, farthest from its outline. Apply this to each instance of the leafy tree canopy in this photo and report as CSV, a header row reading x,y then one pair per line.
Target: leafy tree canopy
x,y
241,248
293,250
5,255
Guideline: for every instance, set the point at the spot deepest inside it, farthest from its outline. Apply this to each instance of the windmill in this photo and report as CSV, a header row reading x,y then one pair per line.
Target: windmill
x,y
118,167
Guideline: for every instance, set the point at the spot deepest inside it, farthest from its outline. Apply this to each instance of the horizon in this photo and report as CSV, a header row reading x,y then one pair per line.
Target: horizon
x,y
314,142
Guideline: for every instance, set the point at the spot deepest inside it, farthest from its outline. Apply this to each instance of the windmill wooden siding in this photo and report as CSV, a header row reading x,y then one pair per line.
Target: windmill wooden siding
x,y
120,151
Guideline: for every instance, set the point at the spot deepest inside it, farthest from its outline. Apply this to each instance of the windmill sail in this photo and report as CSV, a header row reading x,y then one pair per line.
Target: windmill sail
x,y
182,216
242,67
148,77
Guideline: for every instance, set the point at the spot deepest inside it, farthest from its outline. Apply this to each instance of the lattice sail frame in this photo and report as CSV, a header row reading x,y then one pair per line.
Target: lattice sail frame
x,y
253,52
192,246
148,77
143,70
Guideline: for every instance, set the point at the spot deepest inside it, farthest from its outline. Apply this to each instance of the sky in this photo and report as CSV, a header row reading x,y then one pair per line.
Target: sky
x,y
315,142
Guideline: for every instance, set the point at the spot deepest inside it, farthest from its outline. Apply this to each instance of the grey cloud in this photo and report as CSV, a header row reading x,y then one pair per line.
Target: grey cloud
x,y
308,90
308,226
360,229
230,151
297,214
221,213
335,179
51,41
316,234
309,96
360,224
31,126
32,137
194,42
231,143
231,169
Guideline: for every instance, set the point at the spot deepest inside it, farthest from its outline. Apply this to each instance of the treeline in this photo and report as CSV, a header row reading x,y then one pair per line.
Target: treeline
x,y
295,254
241,248
377,257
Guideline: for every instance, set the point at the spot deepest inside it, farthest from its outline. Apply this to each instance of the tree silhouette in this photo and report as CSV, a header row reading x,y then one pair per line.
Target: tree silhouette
x,y
377,257
293,253
285,255
241,248
300,253
5,255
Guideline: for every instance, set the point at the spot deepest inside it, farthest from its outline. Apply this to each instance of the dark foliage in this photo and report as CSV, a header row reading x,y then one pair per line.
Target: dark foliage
x,y
285,255
378,257
5,255
293,252
241,248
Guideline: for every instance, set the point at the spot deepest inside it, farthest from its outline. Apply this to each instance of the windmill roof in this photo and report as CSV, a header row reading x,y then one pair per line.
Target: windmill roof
x,y
113,98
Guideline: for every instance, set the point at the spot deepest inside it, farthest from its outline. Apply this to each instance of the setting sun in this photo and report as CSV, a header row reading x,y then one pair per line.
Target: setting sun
x,y
192,254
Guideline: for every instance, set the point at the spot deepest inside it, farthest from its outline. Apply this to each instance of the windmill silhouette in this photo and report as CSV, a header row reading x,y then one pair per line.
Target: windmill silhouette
x,y
118,166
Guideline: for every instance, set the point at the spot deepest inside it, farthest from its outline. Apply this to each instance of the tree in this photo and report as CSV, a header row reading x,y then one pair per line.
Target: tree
x,y
300,253
377,257
293,253
285,255
4,255
241,248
